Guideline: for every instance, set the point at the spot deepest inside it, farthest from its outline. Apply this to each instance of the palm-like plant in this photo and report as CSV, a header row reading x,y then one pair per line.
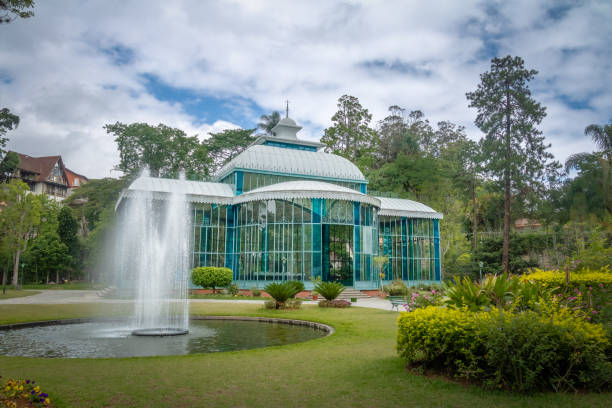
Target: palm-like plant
x,y
602,137
329,290
267,122
465,293
280,292
500,289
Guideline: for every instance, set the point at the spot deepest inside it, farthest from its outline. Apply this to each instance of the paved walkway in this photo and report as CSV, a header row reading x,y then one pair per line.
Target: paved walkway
x,y
48,297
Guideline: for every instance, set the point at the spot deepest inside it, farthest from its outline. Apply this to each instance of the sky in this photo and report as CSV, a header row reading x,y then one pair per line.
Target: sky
x,y
205,66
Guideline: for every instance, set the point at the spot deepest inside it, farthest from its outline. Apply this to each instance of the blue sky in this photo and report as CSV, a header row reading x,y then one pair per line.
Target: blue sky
x,y
207,66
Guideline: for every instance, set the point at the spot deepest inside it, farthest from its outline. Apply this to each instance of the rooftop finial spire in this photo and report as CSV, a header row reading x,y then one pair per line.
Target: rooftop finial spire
x,y
287,111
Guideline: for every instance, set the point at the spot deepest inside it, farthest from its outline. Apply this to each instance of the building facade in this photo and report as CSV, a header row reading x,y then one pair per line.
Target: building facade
x,y
47,175
285,210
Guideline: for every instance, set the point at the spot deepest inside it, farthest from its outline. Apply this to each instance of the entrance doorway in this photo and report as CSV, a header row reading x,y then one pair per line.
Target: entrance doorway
x,y
338,253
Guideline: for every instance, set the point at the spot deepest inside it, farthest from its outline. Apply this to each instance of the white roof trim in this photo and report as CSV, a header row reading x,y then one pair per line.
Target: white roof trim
x,y
219,193
305,189
398,207
194,191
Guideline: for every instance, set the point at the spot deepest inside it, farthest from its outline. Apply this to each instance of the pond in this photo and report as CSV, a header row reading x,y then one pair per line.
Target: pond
x,y
96,339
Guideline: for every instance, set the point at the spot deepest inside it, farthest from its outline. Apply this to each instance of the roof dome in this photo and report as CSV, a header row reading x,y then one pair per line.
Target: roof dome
x,y
286,128
287,122
293,161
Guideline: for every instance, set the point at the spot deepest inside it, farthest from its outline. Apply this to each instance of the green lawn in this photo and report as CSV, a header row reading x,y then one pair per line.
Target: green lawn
x,y
355,367
12,293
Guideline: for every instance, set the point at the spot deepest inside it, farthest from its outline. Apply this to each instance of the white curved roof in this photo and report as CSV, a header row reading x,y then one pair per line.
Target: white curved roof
x,y
197,191
293,161
399,207
306,189
206,192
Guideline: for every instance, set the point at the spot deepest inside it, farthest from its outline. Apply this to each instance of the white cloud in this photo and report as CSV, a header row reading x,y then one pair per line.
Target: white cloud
x,y
65,87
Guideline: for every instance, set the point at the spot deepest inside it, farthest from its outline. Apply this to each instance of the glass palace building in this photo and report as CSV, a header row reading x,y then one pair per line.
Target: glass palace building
x,y
285,210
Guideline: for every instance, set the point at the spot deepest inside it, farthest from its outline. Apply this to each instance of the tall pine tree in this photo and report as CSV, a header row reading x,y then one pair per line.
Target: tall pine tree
x,y
513,147
350,135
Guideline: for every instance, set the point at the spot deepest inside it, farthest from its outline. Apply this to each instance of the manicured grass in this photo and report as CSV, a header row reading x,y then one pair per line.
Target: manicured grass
x,y
65,286
357,366
12,293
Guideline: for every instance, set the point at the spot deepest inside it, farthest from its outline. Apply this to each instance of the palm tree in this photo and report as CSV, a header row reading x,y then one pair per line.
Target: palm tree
x,y
267,122
602,137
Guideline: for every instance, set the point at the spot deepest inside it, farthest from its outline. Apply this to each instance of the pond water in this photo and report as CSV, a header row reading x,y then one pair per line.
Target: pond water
x,y
114,339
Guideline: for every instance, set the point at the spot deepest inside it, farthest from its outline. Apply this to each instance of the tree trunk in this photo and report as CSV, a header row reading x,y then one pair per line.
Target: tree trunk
x,y
475,220
507,192
57,277
4,276
47,281
581,227
16,268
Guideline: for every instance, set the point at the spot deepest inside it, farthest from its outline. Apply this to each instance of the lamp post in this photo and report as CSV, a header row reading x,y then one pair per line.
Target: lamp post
x,y
480,265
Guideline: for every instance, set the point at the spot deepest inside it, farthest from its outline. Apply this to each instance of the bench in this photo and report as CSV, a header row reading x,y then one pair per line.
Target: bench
x,y
396,301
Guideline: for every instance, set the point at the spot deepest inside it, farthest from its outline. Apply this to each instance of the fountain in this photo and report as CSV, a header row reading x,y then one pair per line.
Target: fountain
x,y
151,256
153,244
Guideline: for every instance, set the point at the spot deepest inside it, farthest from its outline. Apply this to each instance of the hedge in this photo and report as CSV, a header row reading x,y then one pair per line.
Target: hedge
x,y
584,278
523,351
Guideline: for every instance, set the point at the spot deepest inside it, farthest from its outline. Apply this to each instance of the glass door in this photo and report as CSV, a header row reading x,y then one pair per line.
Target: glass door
x,y
338,253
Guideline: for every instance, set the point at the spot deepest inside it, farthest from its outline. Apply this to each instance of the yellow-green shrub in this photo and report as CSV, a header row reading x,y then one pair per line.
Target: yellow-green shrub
x,y
524,351
554,279
588,291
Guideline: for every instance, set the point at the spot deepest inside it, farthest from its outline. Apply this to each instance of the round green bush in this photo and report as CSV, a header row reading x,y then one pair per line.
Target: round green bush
x,y
396,288
211,277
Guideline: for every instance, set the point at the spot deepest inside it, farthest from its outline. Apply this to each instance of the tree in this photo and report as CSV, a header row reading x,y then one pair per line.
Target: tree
x,y
8,166
602,137
350,135
394,136
267,122
164,150
48,254
93,205
8,121
224,146
19,217
67,230
211,277
468,175
513,147
13,9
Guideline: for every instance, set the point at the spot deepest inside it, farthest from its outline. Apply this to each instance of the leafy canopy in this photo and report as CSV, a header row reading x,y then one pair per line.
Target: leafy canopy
x,y
211,277
350,135
13,9
162,149
267,122
224,146
8,121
